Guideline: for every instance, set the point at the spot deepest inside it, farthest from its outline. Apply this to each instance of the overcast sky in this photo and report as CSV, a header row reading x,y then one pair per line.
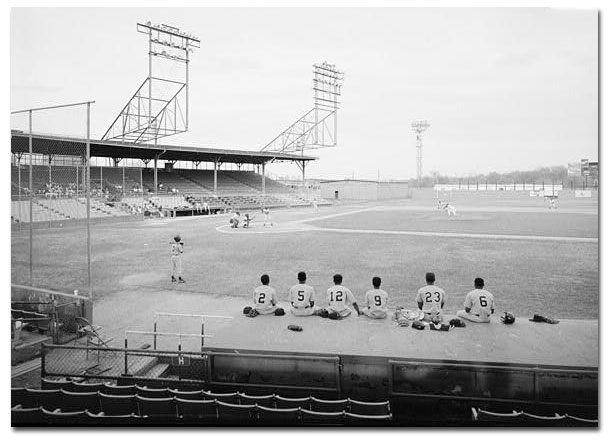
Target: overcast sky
x,y
503,89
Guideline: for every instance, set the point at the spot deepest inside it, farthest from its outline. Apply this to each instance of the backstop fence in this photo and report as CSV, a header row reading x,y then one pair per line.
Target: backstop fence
x,y
51,186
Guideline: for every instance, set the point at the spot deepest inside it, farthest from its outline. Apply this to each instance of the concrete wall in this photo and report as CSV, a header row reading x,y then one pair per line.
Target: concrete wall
x,y
363,190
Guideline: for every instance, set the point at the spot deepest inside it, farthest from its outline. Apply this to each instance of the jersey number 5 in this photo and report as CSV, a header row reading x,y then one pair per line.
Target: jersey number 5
x,y
300,296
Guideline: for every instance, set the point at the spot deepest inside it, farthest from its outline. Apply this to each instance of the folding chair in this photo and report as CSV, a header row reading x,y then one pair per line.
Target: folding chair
x,y
369,408
76,401
259,400
75,386
156,407
198,410
118,404
353,419
269,416
314,418
58,418
291,403
46,384
319,405
21,416
152,392
19,396
232,398
49,399
187,394
101,419
239,414
111,389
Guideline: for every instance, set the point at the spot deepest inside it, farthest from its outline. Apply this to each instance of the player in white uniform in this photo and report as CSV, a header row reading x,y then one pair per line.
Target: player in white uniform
x,y
264,297
376,299
235,220
479,304
176,250
267,217
450,209
430,299
339,297
301,297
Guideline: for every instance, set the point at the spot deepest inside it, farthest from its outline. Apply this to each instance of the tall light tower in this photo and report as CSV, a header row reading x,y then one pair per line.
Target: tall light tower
x,y
419,126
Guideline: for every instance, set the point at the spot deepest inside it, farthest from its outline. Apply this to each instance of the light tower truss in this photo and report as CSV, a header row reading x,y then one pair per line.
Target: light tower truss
x,y
318,127
160,106
419,126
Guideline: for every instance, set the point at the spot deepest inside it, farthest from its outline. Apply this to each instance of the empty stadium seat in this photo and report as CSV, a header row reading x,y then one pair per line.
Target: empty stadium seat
x,y
118,404
49,399
291,403
23,416
59,418
319,405
232,398
110,389
75,401
204,410
369,408
260,400
54,384
102,419
187,394
18,396
313,418
278,417
152,392
164,408
85,387
236,413
354,419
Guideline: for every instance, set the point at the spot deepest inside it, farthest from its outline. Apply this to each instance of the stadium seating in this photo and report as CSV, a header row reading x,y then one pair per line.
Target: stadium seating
x,y
128,405
54,384
526,419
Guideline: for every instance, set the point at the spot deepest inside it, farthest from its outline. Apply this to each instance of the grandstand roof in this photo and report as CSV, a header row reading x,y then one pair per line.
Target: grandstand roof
x,y
61,145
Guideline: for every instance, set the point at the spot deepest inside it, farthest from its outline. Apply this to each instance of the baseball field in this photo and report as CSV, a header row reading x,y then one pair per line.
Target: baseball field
x,y
532,259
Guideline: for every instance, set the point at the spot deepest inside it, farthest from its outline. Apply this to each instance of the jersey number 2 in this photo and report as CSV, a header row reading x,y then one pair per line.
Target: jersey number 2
x,y
261,297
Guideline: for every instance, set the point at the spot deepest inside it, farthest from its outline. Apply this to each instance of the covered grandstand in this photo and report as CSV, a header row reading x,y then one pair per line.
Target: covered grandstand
x,y
205,181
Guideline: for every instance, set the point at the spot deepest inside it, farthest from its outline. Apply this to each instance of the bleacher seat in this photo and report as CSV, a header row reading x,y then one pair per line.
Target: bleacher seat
x,y
278,417
187,394
232,398
157,407
369,408
319,405
118,404
102,419
111,389
291,403
242,414
18,396
26,416
260,400
314,418
75,401
526,419
152,392
204,410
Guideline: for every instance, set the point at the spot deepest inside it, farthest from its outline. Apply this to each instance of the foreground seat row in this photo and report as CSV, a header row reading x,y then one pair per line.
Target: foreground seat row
x,y
521,418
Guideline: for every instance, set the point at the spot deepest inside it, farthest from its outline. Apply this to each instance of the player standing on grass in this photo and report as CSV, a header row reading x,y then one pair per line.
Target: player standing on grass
x,y
301,297
479,304
339,297
430,299
376,300
176,251
267,217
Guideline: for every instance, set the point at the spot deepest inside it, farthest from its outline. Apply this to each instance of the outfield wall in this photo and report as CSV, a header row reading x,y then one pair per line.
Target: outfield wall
x,y
363,190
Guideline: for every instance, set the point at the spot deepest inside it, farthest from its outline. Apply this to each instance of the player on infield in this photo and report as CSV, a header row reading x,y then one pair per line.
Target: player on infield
x,y
339,297
430,299
479,304
176,250
301,297
376,299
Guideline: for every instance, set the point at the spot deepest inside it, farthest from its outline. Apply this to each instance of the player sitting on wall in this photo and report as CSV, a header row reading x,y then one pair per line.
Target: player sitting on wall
x,y
339,296
479,304
430,299
301,297
376,300
265,300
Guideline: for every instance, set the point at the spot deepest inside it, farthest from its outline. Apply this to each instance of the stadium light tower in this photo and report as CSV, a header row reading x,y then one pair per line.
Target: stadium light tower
x,y
419,126
160,106
318,127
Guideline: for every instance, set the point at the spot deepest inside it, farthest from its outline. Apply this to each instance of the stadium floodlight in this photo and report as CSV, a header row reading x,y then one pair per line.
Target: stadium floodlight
x,y
159,102
419,126
318,127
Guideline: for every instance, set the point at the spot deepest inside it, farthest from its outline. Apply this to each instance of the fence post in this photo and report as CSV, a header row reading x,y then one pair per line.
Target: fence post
x,y
155,335
125,372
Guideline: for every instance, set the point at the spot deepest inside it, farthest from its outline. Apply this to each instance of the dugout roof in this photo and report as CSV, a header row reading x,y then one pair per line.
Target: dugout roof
x,y
60,145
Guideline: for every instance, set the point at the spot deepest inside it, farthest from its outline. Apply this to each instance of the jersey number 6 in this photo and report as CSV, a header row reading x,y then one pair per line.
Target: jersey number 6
x,y
483,301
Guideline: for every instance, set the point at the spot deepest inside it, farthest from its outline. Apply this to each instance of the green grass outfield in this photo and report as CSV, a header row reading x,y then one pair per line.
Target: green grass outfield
x,y
130,261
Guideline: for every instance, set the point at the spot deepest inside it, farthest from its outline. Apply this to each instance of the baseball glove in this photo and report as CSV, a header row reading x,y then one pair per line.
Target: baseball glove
x,y
418,325
508,318
246,310
279,312
457,323
253,313
295,328
334,315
